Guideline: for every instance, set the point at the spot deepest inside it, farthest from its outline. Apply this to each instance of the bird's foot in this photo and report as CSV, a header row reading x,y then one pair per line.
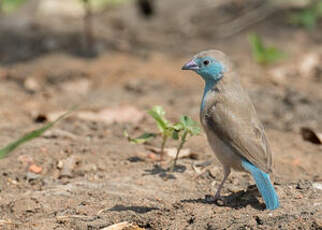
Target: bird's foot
x,y
217,199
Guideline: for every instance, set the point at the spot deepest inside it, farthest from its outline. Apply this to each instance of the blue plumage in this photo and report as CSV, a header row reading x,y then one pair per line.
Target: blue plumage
x,y
263,184
210,69
211,72
208,86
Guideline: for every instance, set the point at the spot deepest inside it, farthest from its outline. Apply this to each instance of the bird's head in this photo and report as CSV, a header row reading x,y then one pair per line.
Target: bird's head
x,y
210,65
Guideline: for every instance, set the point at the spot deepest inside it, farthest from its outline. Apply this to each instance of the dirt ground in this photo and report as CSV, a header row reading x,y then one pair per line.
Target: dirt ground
x,y
92,177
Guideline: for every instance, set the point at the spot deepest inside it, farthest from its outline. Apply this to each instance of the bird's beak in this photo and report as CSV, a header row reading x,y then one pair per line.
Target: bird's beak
x,y
191,65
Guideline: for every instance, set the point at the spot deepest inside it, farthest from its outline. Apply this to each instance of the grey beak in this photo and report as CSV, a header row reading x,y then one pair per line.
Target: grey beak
x,y
191,65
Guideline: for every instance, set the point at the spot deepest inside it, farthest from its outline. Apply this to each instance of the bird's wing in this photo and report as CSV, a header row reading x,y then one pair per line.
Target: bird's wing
x,y
233,118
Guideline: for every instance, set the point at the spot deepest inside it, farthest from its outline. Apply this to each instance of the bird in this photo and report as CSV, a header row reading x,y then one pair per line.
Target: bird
x,y
231,124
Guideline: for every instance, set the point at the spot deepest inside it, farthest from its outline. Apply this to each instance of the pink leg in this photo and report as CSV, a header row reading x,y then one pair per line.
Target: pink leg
x,y
226,174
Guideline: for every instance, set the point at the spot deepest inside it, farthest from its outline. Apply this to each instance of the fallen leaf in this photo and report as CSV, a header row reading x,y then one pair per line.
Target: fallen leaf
x,y
35,169
123,226
121,114
59,133
310,135
172,152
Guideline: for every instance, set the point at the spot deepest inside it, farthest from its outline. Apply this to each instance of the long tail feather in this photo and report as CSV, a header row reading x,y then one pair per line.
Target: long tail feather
x,y
264,185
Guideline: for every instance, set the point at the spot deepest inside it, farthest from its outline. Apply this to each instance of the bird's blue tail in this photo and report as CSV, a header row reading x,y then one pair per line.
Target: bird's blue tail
x,y
263,184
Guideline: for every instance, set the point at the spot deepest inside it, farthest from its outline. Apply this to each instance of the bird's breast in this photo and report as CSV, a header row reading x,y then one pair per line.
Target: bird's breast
x,y
224,153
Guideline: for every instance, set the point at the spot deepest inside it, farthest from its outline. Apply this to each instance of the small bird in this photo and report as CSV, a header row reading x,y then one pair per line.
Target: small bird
x,y
230,121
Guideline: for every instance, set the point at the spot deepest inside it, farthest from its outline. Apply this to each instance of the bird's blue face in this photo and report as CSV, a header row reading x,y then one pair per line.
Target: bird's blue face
x,y
207,67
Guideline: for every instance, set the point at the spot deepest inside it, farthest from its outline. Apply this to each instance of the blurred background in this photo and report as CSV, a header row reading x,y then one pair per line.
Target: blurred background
x,y
275,45
116,59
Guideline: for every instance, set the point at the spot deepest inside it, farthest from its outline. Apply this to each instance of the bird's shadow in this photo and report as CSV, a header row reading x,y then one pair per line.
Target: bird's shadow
x,y
165,173
235,200
137,209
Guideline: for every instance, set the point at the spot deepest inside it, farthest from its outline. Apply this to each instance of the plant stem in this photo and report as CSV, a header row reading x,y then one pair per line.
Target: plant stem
x,y
88,27
164,141
183,140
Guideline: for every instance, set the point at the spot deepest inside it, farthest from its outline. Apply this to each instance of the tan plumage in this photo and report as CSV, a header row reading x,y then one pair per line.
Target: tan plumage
x,y
230,114
229,119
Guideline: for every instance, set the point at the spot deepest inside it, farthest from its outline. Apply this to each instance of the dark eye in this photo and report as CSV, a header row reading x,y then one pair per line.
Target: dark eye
x,y
205,62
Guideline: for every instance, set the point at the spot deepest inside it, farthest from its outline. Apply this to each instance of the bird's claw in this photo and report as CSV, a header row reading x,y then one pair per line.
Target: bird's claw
x,y
217,199
210,198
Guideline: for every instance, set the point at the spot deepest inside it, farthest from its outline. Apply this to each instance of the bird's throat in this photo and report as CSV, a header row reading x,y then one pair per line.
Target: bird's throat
x,y
208,86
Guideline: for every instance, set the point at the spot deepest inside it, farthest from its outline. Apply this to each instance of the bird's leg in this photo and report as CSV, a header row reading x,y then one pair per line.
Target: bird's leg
x,y
226,174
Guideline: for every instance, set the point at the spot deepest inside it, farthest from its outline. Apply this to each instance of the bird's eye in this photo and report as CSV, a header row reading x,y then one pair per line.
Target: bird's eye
x,y
205,62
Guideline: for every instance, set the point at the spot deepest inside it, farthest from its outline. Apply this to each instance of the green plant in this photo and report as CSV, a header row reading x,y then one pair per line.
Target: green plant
x,y
140,139
103,3
261,53
307,17
165,127
31,135
179,131
9,6
188,127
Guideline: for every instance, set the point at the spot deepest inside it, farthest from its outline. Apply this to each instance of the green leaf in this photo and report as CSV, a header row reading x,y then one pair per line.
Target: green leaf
x,y
178,127
307,17
273,54
187,121
157,112
190,125
9,6
141,139
195,131
257,46
31,135
262,54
